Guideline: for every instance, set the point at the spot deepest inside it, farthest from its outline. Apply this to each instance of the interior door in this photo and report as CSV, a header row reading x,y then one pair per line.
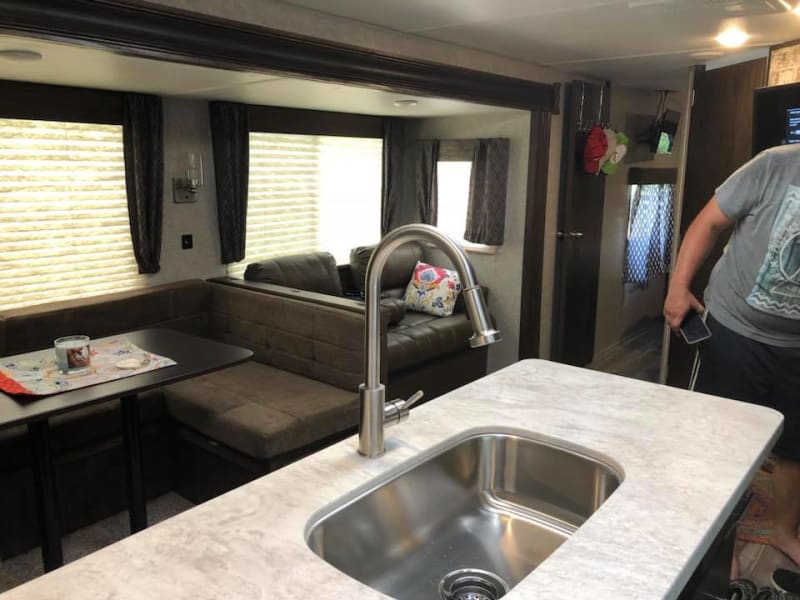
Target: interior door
x,y
580,225
720,141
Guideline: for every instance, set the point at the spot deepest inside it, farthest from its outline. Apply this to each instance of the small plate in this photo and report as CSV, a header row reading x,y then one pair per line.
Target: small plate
x,y
131,363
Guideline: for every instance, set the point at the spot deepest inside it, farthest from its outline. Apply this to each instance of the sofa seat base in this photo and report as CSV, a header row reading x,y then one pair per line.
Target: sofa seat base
x,y
419,338
261,411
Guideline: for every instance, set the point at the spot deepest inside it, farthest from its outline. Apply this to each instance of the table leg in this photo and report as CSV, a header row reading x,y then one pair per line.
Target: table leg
x,y
45,487
137,507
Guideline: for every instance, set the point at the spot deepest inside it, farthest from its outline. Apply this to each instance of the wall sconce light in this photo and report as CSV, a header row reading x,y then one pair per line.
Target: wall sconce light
x,y
186,187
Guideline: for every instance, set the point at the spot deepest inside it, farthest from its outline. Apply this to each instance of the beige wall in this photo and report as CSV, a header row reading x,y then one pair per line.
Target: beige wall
x,y
186,129
620,307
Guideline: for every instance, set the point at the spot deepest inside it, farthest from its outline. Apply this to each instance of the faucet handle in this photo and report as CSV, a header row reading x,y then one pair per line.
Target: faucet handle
x,y
415,397
397,411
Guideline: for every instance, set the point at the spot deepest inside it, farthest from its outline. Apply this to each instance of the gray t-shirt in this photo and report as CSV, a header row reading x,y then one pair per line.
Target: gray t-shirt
x,y
754,289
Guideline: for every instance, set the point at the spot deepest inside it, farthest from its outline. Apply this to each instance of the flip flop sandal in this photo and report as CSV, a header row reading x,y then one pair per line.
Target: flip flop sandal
x,y
767,594
741,589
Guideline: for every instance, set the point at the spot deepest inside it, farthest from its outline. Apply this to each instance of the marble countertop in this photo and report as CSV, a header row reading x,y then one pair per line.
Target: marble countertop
x,y
686,460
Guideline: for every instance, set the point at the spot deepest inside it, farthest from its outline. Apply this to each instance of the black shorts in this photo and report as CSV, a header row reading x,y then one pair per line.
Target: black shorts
x,y
734,366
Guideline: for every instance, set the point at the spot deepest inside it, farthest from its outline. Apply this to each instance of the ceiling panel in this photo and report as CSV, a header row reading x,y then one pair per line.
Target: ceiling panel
x,y
421,15
608,32
317,95
600,38
80,66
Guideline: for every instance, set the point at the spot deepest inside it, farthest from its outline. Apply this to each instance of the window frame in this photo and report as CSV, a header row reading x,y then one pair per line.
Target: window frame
x,y
45,102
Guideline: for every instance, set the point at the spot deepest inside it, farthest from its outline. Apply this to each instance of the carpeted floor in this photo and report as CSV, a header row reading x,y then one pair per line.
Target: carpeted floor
x,y
24,567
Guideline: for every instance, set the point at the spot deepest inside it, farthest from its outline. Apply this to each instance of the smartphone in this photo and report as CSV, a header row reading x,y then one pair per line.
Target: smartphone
x,y
694,328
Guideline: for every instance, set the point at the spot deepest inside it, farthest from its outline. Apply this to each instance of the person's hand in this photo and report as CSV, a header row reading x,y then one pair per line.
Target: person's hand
x,y
679,302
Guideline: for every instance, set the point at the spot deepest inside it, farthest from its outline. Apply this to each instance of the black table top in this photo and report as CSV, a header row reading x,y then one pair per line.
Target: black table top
x,y
194,355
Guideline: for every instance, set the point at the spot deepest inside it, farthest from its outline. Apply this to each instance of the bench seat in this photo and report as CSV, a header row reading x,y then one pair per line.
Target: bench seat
x,y
261,411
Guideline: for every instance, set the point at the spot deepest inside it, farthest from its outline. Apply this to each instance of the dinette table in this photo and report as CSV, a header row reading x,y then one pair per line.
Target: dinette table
x,y
194,356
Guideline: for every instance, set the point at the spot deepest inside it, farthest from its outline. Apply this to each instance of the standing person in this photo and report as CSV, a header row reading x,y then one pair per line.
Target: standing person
x,y
753,304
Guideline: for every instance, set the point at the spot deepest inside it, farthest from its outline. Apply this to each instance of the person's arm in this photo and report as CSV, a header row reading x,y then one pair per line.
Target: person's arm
x,y
697,244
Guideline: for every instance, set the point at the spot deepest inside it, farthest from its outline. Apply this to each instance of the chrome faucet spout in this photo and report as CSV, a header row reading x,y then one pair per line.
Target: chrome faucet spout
x,y
374,413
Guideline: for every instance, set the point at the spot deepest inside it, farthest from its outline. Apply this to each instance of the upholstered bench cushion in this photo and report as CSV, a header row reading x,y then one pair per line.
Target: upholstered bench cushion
x,y
261,411
419,337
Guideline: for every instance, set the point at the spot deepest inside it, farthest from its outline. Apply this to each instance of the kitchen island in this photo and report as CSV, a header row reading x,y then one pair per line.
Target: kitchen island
x,y
685,459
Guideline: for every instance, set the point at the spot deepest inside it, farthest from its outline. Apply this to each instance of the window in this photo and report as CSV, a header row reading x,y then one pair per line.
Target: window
x,y
453,188
311,193
64,229
455,168
649,243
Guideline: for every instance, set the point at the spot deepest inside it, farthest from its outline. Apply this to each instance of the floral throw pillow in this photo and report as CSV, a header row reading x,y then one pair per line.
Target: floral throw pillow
x,y
432,290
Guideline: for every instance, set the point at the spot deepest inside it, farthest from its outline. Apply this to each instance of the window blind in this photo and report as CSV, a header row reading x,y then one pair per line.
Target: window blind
x,y
308,193
64,230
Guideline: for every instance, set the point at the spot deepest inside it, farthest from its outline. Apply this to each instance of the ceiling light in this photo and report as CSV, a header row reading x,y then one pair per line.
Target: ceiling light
x,y
21,55
732,38
405,103
797,9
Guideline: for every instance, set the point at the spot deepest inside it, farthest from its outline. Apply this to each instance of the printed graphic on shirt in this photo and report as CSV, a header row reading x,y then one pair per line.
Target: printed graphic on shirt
x,y
777,287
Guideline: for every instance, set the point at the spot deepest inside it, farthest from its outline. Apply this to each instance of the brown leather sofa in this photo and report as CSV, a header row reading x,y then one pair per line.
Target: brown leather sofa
x,y
421,351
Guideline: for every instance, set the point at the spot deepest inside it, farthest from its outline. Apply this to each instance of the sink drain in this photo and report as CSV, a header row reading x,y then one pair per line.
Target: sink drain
x,y
472,584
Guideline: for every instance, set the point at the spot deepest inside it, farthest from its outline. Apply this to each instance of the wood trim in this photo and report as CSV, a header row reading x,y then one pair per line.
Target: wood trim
x,y
272,119
167,33
646,176
533,252
22,100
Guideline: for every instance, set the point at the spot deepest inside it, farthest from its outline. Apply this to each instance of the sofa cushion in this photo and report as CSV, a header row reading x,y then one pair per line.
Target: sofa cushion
x,y
261,411
312,271
182,305
420,337
397,271
432,290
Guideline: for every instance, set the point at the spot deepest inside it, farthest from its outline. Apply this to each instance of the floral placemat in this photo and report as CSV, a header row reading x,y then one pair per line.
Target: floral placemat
x,y
36,373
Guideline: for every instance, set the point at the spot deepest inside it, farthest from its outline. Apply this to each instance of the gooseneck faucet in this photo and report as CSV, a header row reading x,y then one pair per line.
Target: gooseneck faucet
x,y
375,414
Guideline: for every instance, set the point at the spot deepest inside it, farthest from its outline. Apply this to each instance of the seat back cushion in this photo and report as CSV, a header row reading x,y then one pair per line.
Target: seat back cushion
x,y
396,273
182,305
307,338
312,271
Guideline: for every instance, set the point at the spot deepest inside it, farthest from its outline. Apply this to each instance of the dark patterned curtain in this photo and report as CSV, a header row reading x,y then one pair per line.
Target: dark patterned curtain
x,y
427,184
394,147
649,244
230,137
143,149
486,211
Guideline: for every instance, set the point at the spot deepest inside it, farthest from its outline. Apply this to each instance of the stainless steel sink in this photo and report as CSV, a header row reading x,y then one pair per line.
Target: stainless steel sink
x,y
492,504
